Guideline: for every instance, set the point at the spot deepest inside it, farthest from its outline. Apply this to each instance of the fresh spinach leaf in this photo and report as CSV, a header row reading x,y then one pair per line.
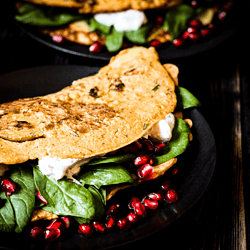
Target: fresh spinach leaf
x,y
178,144
139,36
103,175
185,99
114,40
118,159
45,16
64,196
101,28
177,18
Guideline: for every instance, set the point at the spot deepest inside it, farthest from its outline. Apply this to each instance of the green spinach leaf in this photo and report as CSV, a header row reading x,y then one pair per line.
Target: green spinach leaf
x,y
178,144
114,40
101,28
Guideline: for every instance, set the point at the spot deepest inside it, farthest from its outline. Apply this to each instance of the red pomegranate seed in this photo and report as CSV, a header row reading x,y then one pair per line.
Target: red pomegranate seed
x,y
36,232
96,47
175,171
113,209
139,209
40,197
132,217
165,186
155,43
211,26
58,38
139,145
132,201
195,23
57,224
123,223
51,234
159,19
8,186
132,148
143,159
222,15
194,36
99,226
86,228
185,35
159,148
178,42
145,172
151,204
205,32
192,30
156,196
194,4
67,221
110,221
171,196
147,144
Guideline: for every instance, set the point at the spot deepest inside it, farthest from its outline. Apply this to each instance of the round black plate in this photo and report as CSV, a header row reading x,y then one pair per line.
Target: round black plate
x,y
225,29
197,168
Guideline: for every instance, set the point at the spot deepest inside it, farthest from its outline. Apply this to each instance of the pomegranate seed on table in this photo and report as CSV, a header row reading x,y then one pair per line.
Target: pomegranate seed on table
x,y
132,217
139,209
58,38
8,186
145,172
132,201
157,196
123,223
98,226
165,186
194,36
191,30
143,159
178,42
67,220
86,228
110,221
185,35
171,196
147,144
57,224
96,47
40,197
195,23
113,209
155,43
36,232
51,234
150,204
205,32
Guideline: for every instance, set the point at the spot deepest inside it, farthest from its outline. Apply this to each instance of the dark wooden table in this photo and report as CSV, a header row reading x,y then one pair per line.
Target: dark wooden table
x,y
220,79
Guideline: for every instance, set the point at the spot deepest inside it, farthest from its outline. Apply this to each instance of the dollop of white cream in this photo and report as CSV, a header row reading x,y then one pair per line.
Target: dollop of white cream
x,y
58,168
162,131
124,20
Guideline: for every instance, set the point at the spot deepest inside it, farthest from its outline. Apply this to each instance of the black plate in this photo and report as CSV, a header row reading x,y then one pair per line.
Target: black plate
x,y
224,30
197,168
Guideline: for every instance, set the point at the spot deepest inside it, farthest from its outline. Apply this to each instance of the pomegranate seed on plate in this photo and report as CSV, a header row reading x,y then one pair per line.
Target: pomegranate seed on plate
x,y
211,26
132,148
194,4
147,144
156,196
123,223
58,38
159,148
151,204
132,217
8,186
51,234
40,197
222,15
57,224
36,232
96,47
155,43
175,171
143,159
159,19
86,228
67,220
191,30
165,186
99,226
113,209
178,42
132,201
139,209
185,35
171,196
145,172
195,23
194,36
110,221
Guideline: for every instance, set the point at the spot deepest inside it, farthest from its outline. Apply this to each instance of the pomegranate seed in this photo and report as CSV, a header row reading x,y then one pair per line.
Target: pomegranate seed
x,y
132,217
143,159
195,23
211,26
145,172
185,35
194,4
132,148
205,32
58,38
159,19
132,201
165,186
113,209
99,226
96,47
86,228
175,171
192,30
159,148
57,224
51,234
139,209
151,204
222,15
148,144
8,186
36,232
171,196
194,36
139,145
178,42
40,197
110,221
155,43
156,196
123,223
67,221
